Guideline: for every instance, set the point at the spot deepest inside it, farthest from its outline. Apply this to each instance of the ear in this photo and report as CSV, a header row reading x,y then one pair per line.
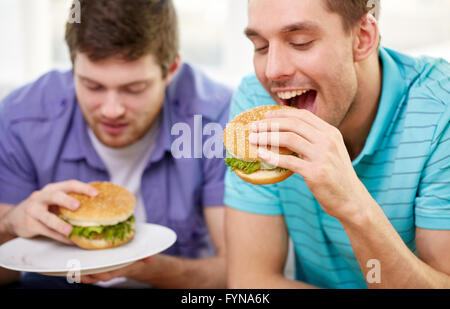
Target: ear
x,y
367,38
173,69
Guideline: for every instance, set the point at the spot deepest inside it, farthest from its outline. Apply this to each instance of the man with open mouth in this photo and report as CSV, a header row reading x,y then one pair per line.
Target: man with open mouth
x,y
368,204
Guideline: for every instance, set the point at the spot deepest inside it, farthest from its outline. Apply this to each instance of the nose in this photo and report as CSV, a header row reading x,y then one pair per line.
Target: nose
x,y
112,107
278,65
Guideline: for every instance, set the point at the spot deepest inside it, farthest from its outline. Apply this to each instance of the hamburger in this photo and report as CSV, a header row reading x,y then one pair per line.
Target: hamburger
x,y
104,221
242,156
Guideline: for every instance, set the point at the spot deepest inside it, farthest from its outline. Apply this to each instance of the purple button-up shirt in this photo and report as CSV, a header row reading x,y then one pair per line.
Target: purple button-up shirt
x,y
44,139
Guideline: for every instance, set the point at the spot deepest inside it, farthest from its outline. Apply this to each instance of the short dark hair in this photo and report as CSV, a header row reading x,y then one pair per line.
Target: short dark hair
x,y
126,28
351,11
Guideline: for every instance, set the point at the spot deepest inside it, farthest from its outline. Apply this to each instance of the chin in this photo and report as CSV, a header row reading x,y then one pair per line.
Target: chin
x,y
118,141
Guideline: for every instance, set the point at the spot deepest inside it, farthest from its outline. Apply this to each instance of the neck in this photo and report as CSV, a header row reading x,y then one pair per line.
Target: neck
x,y
356,126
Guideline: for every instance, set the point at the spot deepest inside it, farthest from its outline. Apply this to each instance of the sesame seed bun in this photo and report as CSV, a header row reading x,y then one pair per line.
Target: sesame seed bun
x,y
112,205
235,139
235,136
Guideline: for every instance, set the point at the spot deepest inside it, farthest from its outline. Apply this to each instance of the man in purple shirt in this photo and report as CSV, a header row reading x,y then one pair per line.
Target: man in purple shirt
x,y
126,93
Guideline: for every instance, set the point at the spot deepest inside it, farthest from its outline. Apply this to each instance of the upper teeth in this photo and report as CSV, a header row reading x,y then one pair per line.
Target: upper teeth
x,y
290,94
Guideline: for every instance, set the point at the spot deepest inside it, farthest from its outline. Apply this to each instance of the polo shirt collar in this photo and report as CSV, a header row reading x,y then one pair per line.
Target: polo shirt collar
x,y
392,94
164,140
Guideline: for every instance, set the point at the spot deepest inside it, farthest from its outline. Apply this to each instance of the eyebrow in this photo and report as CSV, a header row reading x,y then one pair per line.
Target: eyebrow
x,y
301,26
121,86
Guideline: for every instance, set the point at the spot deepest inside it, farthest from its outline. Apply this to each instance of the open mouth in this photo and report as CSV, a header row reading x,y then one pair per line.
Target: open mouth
x,y
301,99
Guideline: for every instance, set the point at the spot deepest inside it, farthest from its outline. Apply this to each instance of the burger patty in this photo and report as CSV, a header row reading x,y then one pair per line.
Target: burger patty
x,y
107,232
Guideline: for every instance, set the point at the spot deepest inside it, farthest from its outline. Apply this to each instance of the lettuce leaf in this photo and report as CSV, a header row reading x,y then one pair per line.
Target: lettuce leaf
x,y
108,232
250,167
247,167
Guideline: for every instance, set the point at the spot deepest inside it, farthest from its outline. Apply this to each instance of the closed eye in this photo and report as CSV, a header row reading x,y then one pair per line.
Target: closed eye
x,y
136,88
95,88
261,49
91,85
302,45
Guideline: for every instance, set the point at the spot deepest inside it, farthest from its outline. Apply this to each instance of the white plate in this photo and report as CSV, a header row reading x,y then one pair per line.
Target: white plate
x,y
53,258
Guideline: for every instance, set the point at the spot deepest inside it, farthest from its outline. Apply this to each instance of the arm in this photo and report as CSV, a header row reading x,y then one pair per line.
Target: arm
x,y
328,172
433,247
25,209
32,217
163,271
373,237
257,248
5,235
6,276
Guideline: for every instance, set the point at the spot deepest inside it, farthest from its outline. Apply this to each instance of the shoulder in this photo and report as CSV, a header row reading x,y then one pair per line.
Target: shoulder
x,y
428,80
194,93
433,80
428,97
40,100
39,112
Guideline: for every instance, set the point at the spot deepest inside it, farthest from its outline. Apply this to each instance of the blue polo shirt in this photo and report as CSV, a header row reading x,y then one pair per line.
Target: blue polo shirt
x,y
44,139
405,165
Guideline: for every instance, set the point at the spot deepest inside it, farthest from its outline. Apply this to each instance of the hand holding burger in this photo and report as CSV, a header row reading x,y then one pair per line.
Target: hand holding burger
x,y
103,221
323,160
37,215
243,156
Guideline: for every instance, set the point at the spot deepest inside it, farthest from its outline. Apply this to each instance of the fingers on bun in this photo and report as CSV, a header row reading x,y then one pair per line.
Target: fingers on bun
x,y
104,221
242,156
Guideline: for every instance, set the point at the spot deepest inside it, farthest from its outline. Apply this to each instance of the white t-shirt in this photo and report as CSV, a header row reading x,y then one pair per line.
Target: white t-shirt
x,y
126,166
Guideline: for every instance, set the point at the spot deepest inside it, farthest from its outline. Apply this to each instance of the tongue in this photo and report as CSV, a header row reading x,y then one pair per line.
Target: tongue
x,y
305,101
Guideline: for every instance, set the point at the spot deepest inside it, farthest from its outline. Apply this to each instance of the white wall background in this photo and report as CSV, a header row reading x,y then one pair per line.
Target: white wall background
x,y
32,35
417,27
